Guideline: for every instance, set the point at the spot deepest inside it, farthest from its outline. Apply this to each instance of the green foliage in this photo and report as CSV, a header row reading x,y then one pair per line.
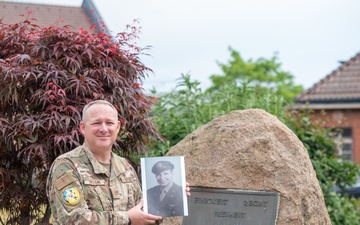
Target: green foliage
x,y
179,113
342,210
330,170
47,75
322,148
261,73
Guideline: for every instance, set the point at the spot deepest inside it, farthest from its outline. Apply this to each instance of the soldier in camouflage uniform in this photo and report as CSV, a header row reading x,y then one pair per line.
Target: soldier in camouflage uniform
x,y
91,184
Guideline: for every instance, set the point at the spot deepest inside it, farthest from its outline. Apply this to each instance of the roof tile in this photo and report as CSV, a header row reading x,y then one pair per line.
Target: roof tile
x,y
341,85
45,15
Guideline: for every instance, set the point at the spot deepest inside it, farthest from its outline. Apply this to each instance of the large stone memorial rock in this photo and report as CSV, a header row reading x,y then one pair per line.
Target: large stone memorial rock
x,y
253,150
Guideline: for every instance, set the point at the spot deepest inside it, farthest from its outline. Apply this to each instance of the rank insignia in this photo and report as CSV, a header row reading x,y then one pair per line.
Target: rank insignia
x,y
71,195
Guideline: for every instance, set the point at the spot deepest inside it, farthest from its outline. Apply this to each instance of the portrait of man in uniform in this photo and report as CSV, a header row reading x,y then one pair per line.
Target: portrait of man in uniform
x,y
166,197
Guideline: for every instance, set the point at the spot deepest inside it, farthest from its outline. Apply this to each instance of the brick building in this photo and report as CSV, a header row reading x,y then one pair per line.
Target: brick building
x,y
338,95
83,16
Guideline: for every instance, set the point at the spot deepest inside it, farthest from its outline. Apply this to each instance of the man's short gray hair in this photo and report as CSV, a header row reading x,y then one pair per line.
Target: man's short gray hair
x,y
103,102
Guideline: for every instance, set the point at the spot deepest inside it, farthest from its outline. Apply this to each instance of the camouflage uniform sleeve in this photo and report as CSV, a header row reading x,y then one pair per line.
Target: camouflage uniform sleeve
x,y
138,188
68,206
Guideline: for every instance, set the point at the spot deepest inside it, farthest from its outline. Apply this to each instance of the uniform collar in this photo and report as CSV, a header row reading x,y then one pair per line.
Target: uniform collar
x,y
97,167
116,167
168,187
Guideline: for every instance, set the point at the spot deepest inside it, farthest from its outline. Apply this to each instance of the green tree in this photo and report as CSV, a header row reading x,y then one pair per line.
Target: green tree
x,y
46,76
178,113
261,73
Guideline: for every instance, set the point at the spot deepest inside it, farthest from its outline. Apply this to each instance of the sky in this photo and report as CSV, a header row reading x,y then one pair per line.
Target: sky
x,y
310,37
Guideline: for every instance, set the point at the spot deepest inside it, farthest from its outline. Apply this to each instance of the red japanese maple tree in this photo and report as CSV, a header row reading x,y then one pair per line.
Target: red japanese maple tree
x,y
47,75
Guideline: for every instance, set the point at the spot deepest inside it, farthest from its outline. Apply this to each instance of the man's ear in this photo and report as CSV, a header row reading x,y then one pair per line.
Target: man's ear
x,y
118,126
82,127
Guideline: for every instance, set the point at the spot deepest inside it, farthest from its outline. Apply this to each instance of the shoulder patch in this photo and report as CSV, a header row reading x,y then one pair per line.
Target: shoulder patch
x,y
71,195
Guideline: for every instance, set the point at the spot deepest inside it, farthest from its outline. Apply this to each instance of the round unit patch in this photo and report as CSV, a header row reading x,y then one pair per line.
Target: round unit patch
x,y
71,195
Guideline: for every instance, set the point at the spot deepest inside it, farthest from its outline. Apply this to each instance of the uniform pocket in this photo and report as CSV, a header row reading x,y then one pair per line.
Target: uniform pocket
x,y
97,198
122,192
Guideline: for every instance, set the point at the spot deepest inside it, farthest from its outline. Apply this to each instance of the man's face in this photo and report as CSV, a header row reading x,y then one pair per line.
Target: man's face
x,y
165,177
101,127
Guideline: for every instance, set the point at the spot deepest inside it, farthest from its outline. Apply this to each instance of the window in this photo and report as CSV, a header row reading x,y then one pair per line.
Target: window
x,y
345,144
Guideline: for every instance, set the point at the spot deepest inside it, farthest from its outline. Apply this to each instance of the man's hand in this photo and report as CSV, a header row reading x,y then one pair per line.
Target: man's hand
x,y
187,189
139,217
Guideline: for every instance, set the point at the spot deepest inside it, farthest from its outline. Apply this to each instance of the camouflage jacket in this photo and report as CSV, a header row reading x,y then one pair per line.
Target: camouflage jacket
x,y
82,191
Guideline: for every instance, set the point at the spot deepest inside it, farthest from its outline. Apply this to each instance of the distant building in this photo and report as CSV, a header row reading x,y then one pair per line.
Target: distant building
x,y
338,94
78,17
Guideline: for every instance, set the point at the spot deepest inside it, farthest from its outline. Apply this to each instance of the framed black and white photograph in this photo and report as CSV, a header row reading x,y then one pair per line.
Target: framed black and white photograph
x,y
163,184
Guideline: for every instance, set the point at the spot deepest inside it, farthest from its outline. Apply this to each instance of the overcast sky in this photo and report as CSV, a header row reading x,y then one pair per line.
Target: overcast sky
x,y
191,36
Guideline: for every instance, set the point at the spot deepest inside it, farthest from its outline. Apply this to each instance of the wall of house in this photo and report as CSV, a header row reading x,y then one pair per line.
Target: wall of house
x,y
343,119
